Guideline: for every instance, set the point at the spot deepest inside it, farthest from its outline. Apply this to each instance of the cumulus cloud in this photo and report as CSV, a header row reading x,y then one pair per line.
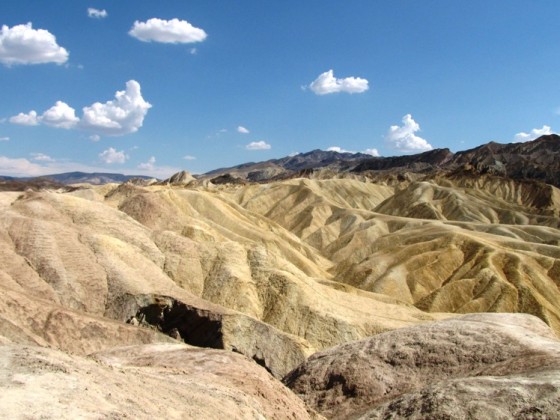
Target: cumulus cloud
x,y
111,155
372,152
189,157
326,83
533,134
25,119
60,116
22,44
258,145
41,157
96,13
242,130
172,31
124,115
402,138
150,165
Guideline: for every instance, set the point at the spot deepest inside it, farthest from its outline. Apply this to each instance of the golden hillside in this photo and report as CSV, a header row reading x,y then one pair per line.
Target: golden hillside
x,y
275,271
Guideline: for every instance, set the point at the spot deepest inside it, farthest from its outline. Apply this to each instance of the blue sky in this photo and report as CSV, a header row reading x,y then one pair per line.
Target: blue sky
x,y
143,87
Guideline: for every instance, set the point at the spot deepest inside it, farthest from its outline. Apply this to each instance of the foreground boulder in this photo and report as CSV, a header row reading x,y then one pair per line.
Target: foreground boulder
x,y
506,365
150,381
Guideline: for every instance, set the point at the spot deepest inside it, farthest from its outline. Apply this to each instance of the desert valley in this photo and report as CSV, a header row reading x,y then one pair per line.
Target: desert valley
x,y
324,284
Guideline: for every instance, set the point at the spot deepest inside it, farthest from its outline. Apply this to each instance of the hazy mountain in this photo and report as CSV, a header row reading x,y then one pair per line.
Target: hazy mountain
x,y
95,178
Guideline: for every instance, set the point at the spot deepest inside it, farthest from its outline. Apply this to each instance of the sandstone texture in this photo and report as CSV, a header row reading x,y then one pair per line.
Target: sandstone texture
x,y
276,261
151,381
479,365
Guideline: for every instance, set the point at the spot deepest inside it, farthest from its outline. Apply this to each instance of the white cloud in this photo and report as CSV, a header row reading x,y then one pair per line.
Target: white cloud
x,y
96,13
95,137
4,138
189,157
22,44
403,138
326,83
41,157
372,152
338,150
533,134
19,167
150,165
124,115
258,145
172,31
24,167
111,155
25,119
60,116
242,130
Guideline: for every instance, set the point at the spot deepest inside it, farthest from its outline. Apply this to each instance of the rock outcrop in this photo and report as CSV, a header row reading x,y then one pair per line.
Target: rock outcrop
x,y
173,381
511,361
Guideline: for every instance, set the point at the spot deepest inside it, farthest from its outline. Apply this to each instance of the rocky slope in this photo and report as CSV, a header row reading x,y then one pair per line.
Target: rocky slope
x,y
480,365
265,274
150,381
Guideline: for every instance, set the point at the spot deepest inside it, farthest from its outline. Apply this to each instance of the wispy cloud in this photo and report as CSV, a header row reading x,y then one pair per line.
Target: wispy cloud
x,y
41,157
404,139
326,83
29,167
96,13
338,150
172,31
150,165
189,157
6,138
258,145
22,44
242,130
372,152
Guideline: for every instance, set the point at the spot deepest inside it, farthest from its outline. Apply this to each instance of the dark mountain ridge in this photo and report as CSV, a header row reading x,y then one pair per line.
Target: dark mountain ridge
x,y
533,160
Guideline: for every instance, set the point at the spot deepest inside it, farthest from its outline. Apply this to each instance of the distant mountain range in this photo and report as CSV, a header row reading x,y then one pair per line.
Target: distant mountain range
x,y
536,160
96,178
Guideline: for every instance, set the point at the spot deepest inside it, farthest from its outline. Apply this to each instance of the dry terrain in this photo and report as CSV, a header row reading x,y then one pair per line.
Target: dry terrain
x,y
106,289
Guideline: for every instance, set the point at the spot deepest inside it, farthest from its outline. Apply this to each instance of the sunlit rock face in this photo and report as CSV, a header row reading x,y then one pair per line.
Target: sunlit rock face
x,y
305,254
